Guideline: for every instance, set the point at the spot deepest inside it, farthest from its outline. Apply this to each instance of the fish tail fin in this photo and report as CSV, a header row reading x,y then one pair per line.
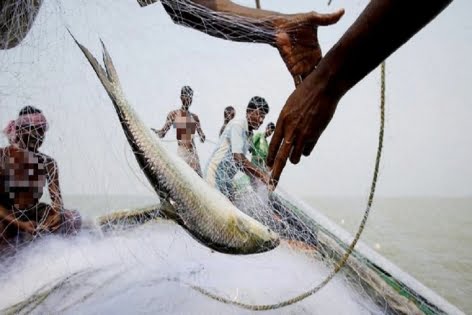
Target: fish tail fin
x,y
109,66
102,74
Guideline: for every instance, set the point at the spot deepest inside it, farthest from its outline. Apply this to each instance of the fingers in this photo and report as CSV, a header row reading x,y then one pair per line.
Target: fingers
x,y
280,162
308,148
328,18
297,150
275,142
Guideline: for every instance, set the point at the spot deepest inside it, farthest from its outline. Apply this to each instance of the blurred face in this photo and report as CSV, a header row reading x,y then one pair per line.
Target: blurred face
x,y
186,101
31,137
229,114
255,118
269,131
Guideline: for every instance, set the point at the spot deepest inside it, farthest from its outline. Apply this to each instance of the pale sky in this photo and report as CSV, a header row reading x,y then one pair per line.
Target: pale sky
x,y
427,142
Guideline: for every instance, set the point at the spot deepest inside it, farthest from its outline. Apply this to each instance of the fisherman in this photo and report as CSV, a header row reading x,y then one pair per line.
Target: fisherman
x,y
229,114
381,28
24,172
230,154
260,146
185,123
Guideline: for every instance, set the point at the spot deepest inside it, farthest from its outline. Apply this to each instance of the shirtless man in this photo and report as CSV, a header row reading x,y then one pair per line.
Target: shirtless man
x,y
24,171
185,123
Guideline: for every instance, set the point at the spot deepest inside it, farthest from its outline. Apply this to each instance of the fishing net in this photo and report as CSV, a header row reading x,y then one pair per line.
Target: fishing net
x,y
127,248
16,18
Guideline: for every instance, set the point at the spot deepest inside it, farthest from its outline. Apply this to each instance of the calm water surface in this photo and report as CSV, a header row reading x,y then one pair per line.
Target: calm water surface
x,y
429,238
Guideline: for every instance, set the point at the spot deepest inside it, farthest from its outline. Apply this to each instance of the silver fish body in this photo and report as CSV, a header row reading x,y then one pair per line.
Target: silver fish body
x,y
204,212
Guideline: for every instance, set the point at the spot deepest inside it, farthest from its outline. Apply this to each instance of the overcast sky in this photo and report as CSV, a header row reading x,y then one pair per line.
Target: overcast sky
x,y
427,146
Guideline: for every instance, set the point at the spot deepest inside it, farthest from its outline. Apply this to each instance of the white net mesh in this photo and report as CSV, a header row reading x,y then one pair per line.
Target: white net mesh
x,y
136,255
16,19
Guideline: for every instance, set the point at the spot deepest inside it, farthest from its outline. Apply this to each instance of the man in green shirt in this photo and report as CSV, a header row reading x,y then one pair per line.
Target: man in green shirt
x,y
260,146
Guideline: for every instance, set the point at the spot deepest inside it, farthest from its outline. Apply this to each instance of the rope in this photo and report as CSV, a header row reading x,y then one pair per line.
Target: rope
x,y
344,259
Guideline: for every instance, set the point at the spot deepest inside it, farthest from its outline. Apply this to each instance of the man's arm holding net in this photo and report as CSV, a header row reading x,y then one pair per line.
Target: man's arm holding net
x,y
169,121
250,169
382,28
294,35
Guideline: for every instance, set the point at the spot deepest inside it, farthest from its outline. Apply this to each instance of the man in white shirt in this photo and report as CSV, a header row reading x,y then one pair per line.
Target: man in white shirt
x,y
230,154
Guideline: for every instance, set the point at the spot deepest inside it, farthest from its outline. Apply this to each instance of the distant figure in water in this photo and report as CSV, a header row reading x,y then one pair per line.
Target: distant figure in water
x,y
229,114
24,172
185,123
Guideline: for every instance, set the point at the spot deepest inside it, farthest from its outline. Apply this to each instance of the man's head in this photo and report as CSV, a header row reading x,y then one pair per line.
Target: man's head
x,y
30,128
229,113
269,129
186,95
256,111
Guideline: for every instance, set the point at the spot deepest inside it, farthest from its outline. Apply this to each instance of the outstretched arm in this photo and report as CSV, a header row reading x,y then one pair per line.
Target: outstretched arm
x,y
169,121
249,168
381,28
294,35
199,128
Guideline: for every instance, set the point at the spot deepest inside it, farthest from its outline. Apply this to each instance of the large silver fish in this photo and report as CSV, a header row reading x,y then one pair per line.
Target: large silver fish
x,y
204,212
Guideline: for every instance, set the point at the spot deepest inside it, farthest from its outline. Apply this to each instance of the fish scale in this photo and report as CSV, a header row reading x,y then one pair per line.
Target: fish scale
x,y
203,211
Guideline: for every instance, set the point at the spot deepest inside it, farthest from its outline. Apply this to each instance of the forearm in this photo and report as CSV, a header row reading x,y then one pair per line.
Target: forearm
x,y
227,6
201,133
381,28
162,132
169,121
225,19
249,168
57,203
7,217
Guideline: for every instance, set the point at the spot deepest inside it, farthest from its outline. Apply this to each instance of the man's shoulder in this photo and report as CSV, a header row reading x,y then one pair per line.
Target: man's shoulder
x,y
173,113
48,160
194,116
238,123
